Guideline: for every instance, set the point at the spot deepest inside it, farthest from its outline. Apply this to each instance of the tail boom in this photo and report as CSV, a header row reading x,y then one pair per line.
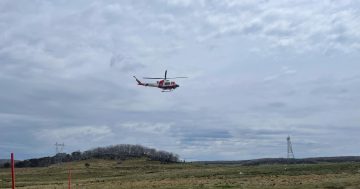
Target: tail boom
x,y
138,81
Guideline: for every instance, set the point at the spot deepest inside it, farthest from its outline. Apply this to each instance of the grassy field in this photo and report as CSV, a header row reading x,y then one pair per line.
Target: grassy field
x,y
139,174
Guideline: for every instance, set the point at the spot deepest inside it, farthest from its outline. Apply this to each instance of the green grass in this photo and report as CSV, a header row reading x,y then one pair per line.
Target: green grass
x,y
140,173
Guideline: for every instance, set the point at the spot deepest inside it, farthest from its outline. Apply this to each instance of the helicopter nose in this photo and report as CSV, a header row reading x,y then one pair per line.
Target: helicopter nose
x,y
177,85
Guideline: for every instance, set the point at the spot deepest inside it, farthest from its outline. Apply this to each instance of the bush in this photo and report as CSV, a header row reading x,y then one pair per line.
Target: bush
x,y
7,165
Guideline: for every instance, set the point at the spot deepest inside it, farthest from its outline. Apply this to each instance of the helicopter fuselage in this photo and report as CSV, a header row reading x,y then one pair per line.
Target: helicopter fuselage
x,y
162,84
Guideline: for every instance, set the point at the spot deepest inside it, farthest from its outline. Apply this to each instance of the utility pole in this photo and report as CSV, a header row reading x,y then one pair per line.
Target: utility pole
x,y
290,153
59,150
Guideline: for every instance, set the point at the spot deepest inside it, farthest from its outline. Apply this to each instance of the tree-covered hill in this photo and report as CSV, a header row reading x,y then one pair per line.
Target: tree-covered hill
x,y
121,152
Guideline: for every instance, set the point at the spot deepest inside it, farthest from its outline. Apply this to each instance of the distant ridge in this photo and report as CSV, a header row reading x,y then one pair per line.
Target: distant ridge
x,y
6,161
2,161
312,160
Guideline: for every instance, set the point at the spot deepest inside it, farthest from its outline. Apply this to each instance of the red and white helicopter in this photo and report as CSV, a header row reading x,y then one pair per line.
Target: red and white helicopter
x,y
164,84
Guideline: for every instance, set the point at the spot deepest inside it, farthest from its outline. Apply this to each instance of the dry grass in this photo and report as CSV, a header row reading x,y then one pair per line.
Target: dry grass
x,y
144,174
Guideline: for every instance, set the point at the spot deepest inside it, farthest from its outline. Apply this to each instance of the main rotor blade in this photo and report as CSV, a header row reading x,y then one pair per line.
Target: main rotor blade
x,y
153,78
176,77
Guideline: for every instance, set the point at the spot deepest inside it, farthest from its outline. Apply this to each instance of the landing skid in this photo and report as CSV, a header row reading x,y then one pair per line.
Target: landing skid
x,y
167,91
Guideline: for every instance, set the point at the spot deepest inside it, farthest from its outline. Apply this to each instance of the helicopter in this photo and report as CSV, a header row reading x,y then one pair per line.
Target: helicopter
x,y
164,84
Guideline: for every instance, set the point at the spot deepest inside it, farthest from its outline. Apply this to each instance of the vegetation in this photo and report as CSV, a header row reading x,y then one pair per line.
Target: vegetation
x,y
141,173
135,166
314,160
121,152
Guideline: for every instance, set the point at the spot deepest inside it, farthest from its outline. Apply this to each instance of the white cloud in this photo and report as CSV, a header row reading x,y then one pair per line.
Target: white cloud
x,y
150,128
76,133
285,71
304,26
184,3
67,72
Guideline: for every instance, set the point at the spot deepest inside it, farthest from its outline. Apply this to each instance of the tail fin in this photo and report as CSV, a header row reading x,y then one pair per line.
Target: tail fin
x,y
138,81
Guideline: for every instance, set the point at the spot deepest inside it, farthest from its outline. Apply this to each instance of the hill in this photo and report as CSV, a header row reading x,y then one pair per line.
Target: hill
x,y
141,173
3,161
115,152
313,160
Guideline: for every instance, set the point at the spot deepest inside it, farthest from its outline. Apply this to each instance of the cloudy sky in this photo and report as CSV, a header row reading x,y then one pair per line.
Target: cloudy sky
x,y
259,70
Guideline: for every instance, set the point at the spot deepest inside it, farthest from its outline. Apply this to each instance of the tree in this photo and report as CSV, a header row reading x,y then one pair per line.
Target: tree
x,y
7,165
115,152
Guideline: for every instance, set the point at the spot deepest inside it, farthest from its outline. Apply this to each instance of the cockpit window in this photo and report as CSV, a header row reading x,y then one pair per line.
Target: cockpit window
x,y
167,83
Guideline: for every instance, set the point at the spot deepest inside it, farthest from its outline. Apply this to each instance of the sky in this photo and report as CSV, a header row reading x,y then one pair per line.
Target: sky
x,y
259,71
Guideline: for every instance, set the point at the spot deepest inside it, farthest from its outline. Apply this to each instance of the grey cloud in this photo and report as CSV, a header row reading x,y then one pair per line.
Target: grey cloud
x,y
284,24
201,134
277,104
57,83
126,62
